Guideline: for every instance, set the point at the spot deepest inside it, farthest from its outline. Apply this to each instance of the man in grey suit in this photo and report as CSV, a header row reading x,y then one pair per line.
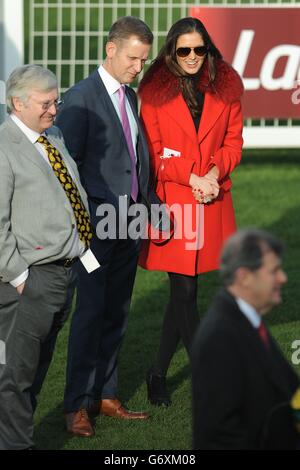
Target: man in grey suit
x,y
41,237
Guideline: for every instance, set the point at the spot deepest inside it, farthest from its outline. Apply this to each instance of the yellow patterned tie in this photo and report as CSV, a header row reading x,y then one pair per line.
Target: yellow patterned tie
x,y
71,190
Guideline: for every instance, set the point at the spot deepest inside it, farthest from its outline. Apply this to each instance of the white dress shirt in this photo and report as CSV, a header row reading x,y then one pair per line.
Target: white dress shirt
x,y
249,312
78,247
112,86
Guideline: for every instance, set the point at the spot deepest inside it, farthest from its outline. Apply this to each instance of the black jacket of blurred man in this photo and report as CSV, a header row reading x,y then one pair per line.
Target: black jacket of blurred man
x,y
242,384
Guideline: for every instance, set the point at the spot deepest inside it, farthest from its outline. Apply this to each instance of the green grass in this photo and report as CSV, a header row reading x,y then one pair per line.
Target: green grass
x,y
266,194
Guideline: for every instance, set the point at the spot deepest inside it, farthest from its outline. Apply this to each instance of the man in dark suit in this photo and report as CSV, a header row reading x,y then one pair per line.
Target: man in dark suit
x,y
114,170
242,384
41,239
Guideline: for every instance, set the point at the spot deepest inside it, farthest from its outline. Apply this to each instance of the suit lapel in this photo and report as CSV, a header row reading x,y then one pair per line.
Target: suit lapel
x,y
212,109
132,105
105,103
107,106
268,358
142,150
179,112
26,148
278,367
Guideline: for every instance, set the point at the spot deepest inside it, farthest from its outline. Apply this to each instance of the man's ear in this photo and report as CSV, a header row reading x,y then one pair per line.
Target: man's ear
x,y
243,276
17,103
110,49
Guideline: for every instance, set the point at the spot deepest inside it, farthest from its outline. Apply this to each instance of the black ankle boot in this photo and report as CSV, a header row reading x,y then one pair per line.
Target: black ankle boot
x,y
157,390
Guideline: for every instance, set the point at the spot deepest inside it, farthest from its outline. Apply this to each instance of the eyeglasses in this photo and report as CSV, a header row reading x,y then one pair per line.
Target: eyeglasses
x,y
47,104
200,51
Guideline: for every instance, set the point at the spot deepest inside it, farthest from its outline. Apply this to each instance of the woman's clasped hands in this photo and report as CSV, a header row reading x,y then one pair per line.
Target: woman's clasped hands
x,y
204,188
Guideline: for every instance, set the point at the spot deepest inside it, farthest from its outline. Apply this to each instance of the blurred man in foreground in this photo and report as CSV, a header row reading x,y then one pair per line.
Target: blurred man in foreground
x,y
242,384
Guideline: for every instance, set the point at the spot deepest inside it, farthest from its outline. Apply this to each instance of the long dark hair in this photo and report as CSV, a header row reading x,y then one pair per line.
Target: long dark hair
x,y
168,55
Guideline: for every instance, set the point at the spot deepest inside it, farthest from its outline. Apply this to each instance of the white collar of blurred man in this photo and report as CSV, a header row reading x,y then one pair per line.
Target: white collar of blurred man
x,y
125,58
260,288
39,110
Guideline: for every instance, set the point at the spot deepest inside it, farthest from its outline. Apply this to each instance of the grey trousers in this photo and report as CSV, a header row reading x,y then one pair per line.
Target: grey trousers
x,y
29,324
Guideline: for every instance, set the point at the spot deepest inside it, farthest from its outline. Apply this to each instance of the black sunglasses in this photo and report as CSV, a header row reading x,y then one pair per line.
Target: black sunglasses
x,y
185,51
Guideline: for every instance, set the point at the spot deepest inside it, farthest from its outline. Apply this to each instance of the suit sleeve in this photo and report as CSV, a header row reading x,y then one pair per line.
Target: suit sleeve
x,y
217,395
177,170
72,120
11,262
229,155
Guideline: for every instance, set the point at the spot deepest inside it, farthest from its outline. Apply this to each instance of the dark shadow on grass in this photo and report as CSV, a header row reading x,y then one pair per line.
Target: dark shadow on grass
x,y
50,433
180,376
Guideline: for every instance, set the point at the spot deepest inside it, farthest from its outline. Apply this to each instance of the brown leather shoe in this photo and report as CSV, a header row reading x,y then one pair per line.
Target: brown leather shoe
x,y
79,424
114,408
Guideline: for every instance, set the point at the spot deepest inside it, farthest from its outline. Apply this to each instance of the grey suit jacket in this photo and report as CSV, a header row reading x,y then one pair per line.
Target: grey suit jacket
x,y
36,218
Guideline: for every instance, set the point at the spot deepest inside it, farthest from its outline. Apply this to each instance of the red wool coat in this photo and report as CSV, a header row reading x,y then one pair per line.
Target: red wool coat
x,y
169,124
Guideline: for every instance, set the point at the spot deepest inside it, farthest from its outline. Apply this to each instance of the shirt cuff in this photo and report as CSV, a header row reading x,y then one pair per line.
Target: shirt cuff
x,y
20,279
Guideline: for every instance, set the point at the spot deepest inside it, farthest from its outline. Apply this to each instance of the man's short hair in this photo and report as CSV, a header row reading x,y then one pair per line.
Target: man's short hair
x,y
26,78
246,249
129,26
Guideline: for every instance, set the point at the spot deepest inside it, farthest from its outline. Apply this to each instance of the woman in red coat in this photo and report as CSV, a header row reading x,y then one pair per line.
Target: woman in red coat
x,y
192,116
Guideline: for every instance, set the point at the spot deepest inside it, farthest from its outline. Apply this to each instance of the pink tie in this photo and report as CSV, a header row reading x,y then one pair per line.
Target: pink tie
x,y
127,133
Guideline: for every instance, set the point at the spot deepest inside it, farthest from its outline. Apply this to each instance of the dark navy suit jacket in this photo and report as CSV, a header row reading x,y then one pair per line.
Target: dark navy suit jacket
x,y
94,137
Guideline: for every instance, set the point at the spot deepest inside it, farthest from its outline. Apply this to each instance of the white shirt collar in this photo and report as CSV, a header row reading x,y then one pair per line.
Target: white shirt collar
x,y
30,133
111,84
249,312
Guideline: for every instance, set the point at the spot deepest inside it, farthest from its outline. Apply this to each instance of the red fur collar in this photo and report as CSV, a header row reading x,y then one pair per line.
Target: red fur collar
x,y
159,86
